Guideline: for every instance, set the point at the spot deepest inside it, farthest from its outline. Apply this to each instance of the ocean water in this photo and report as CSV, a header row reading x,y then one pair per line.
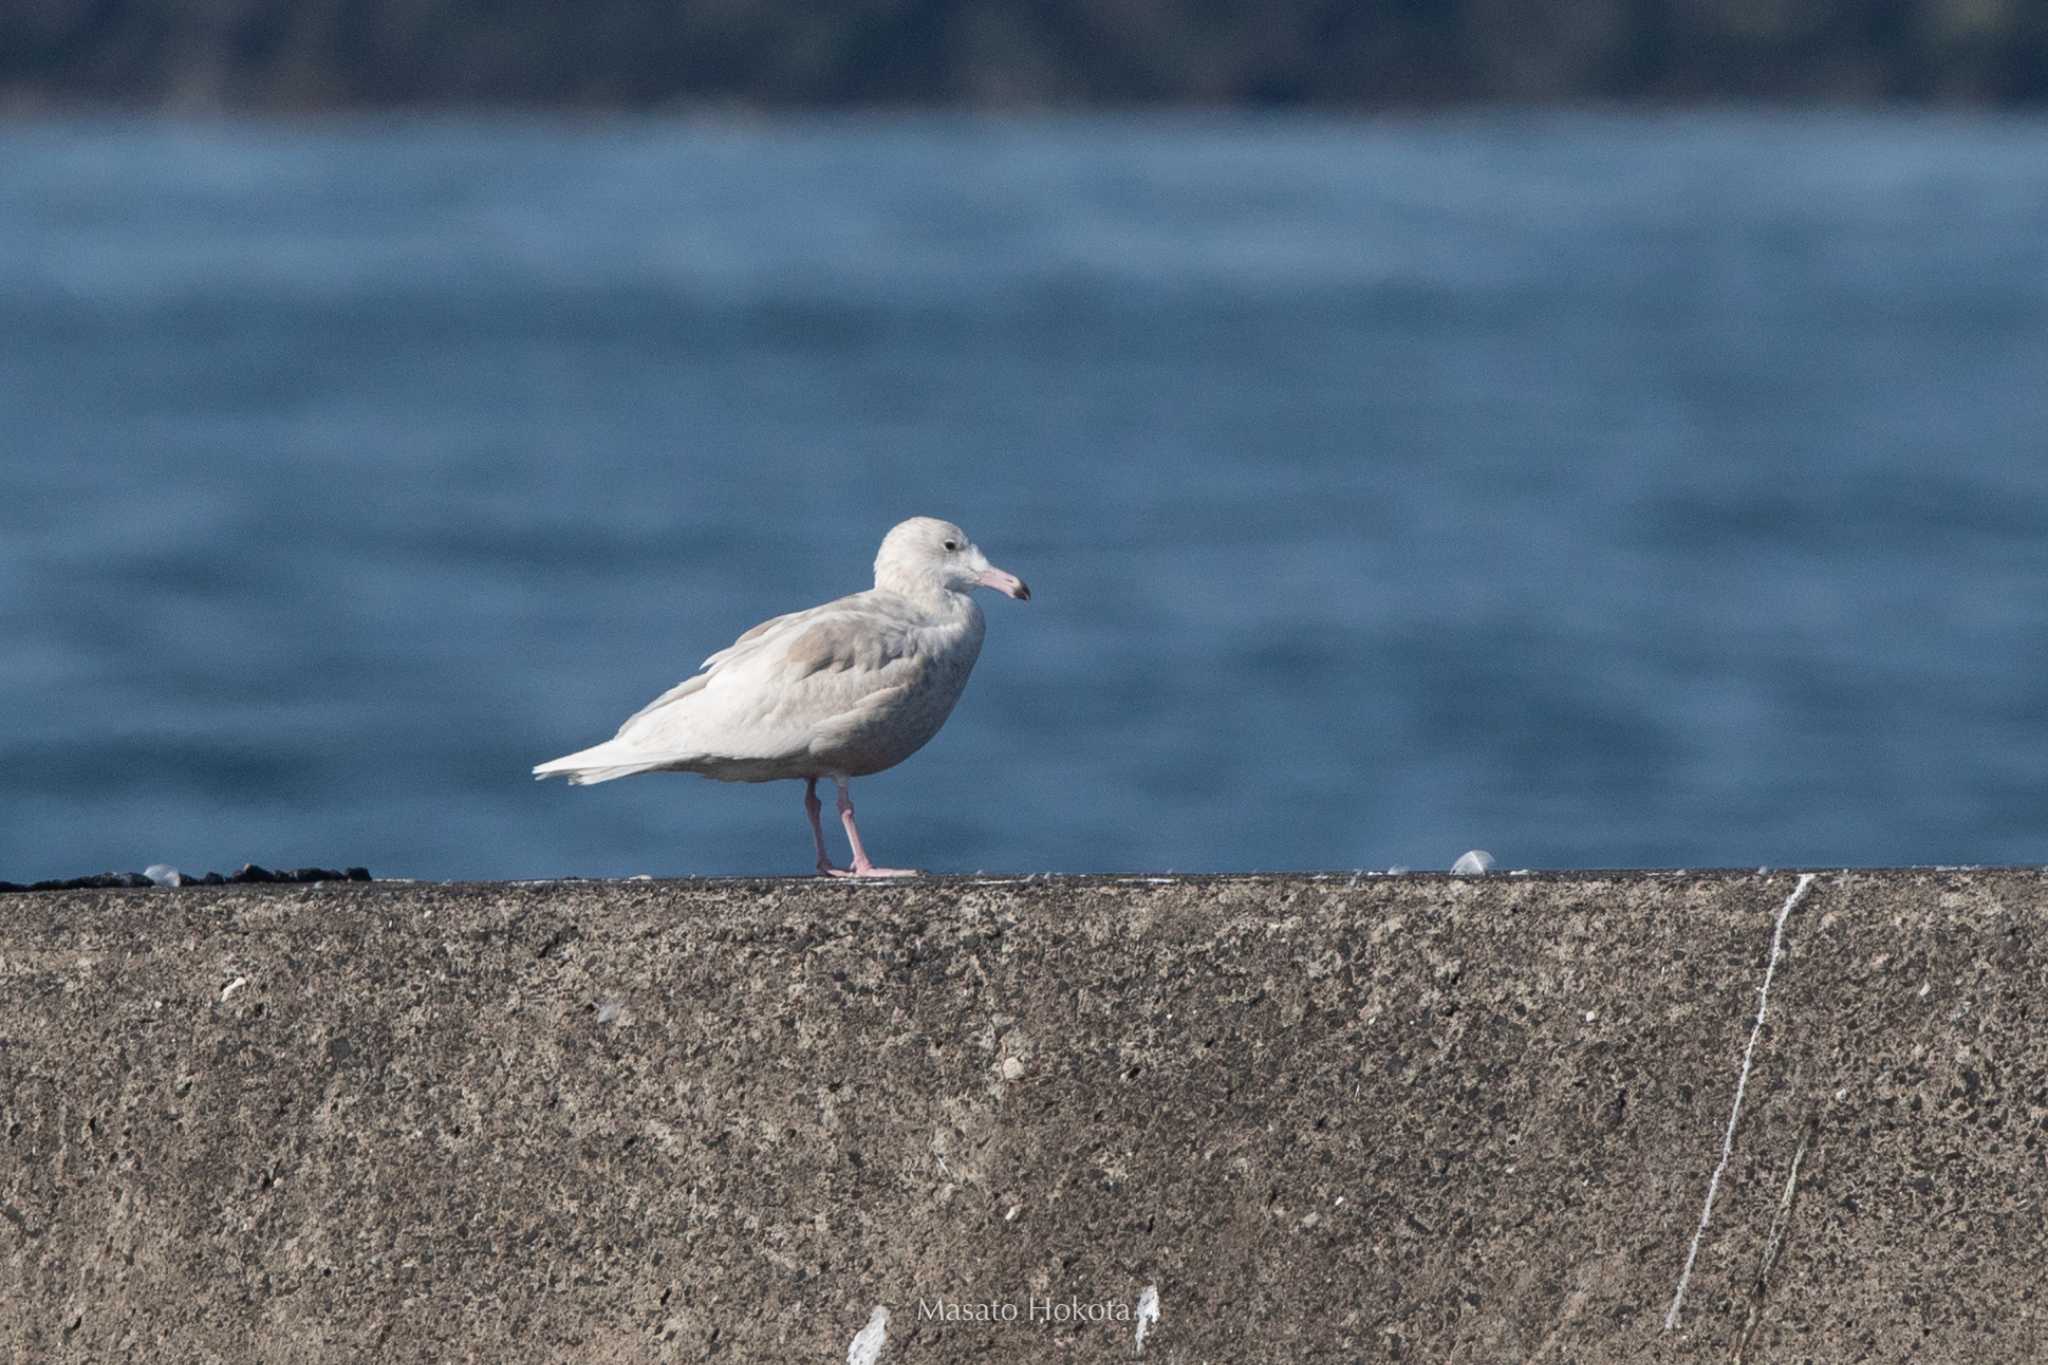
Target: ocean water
x,y
1595,491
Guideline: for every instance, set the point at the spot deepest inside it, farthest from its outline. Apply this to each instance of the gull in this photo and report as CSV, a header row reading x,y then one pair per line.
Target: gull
x,y
837,691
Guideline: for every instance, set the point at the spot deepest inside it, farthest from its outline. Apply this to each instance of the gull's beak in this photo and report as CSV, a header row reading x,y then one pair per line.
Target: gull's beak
x,y
1007,584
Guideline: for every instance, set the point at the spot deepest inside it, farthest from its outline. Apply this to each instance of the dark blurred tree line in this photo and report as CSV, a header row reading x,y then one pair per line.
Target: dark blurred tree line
x,y
318,54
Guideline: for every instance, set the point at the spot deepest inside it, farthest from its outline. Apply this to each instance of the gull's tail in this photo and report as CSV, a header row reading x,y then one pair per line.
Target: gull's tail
x,y
601,763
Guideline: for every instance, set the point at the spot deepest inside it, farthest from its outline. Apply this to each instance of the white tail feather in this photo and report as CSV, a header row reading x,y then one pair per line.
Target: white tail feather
x,y
584,777
599,764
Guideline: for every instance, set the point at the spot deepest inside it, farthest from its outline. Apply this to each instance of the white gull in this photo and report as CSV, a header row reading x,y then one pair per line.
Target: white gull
x,y
840,690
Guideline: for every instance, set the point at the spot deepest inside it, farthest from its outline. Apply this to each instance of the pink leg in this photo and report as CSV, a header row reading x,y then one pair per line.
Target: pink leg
x,y
812,806
861,866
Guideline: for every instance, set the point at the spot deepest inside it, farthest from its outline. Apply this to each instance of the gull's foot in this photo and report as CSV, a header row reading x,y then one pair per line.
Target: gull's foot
x,y
873,871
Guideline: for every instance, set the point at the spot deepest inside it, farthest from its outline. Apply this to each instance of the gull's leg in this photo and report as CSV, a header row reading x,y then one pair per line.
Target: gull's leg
x,y
861,866
812,806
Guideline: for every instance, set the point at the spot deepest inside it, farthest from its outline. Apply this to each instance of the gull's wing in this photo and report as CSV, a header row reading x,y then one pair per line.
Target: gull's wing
x,y
786,685
748,641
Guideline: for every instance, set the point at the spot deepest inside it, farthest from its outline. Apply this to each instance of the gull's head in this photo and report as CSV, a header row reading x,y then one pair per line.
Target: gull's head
x,y
925,554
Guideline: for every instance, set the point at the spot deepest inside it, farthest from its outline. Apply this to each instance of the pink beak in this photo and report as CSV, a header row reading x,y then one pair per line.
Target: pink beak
x,y
1006,583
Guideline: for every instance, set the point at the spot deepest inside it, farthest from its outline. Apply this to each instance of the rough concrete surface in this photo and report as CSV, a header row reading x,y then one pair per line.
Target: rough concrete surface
x,y
1324,1119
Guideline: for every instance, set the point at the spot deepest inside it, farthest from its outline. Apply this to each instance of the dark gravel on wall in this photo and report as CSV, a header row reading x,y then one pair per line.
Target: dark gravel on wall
x,y
247,874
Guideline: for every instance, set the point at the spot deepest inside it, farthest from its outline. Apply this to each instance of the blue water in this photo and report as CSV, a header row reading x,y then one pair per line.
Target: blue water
x,y
1594,491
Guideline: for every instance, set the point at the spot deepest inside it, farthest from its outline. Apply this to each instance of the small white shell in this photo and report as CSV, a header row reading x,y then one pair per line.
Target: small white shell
x,y
1148,1313
867,1346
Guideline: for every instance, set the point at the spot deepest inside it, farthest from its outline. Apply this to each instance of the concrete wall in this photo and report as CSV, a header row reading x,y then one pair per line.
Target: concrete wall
x,y
1406,1118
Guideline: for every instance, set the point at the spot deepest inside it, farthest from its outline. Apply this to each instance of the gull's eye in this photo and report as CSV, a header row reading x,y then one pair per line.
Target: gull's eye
x,y
952,545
